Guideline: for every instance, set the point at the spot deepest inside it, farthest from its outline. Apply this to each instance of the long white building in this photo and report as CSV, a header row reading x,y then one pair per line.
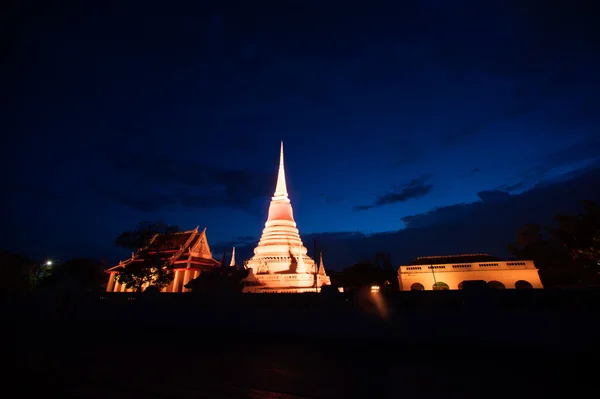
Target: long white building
x,y
449,273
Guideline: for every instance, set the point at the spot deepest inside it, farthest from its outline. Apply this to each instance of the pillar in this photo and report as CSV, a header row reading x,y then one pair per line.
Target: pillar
x,y
176,280
111,282
186,279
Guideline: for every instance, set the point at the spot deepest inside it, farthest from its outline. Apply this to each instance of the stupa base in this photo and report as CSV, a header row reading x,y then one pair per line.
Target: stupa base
x,y
289,283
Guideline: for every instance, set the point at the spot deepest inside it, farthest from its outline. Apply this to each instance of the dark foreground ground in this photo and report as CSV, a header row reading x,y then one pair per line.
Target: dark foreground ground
x,y
137,351
62,360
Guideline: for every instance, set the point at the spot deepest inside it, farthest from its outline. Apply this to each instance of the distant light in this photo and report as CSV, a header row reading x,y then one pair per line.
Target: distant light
x,y
374,288
48,263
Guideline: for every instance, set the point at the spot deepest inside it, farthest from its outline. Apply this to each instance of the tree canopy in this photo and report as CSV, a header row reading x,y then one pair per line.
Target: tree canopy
x,y
78,273
152,271
142,234
379,272
566,253
222,280
151,267
17,273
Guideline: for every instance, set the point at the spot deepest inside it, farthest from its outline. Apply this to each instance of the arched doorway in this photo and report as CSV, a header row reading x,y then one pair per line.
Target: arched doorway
x,y
495,285
523,285
460,285
417,287
440,286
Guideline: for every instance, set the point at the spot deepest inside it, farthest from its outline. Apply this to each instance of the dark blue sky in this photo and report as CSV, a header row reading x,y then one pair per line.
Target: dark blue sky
x,y
429,115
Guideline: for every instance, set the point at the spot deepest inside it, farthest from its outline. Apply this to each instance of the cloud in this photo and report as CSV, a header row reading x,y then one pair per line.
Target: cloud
x,y
513,187
524,99
417,188
245,244
499,205
583,150
442,215
480,226
147,184
559,164
493,196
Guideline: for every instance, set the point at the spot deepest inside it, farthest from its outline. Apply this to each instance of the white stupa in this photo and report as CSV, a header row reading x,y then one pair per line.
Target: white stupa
x,y
280,262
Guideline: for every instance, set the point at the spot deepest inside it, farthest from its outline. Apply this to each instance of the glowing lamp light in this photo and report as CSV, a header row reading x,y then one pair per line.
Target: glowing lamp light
x,y
374,288
48,263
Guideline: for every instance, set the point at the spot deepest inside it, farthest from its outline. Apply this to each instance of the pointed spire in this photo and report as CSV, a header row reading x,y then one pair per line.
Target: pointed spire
x,y
232,263
223,258
321,266
281,188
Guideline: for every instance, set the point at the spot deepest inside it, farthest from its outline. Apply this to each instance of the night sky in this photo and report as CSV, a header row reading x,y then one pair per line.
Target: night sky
x,y
430,128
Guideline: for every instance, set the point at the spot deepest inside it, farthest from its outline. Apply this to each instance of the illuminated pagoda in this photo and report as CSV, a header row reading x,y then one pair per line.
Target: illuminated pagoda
x,y
187,252
450,272
280,263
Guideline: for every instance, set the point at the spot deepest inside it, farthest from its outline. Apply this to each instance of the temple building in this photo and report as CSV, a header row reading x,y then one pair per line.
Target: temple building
x,y
280,262
450,272
187,252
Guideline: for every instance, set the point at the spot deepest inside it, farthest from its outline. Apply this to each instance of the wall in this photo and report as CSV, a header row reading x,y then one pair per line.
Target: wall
x,y
507,273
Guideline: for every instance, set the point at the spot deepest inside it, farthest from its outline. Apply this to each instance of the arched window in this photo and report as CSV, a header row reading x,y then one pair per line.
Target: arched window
x,y
495,285
417,287
440,286
523,285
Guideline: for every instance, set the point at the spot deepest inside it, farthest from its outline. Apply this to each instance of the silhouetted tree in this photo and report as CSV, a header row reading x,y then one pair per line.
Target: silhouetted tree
x,y
223,280
17,273
151,265
378,272
579,236
567,253
389,275
140,236
80,274
153,271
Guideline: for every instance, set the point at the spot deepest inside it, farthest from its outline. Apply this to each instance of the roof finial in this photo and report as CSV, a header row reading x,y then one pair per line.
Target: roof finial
x,y
232,263
321,267
281,188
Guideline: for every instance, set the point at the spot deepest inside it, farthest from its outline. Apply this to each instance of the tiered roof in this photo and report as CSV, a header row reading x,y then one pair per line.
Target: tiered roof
x,y
186,249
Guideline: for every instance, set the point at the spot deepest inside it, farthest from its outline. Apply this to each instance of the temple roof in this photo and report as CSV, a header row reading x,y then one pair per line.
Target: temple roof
x,y
171,241
447,259
181,247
